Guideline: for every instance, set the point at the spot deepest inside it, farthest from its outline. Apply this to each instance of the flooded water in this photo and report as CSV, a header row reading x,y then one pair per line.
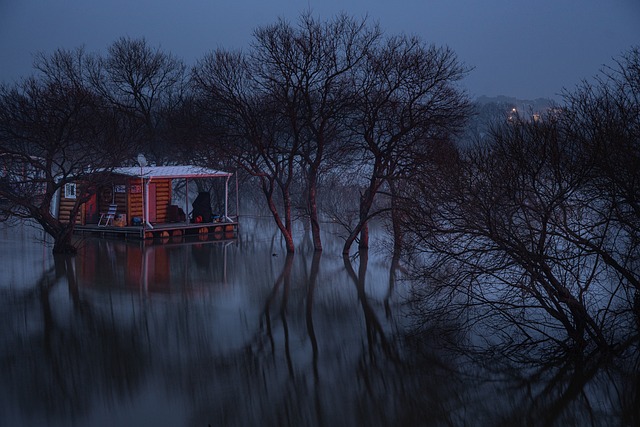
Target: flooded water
x,y
236,333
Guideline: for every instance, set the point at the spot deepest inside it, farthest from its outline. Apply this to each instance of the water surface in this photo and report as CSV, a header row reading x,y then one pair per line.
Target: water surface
x,y
237,333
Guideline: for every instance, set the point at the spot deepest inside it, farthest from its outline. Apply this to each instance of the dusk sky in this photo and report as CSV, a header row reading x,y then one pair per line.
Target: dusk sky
x,y
526,49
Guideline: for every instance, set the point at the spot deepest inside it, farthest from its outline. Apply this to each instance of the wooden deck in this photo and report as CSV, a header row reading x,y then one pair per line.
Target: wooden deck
x,y
213,230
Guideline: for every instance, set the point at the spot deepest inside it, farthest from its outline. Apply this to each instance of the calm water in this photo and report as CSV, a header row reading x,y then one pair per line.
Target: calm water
x,y
239,334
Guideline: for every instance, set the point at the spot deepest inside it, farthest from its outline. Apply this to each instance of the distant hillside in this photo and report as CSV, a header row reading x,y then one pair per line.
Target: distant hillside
x,y
489,110
523,105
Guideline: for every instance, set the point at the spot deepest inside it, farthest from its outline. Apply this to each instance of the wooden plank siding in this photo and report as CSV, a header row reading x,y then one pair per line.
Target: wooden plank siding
x,y
163,199
66,205
134,201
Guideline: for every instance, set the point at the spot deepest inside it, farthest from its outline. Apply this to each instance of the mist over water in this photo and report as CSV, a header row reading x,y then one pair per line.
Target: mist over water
x,y
237,333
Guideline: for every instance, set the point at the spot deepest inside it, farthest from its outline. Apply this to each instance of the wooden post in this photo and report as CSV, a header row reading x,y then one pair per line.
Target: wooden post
x,y
226,198
186,199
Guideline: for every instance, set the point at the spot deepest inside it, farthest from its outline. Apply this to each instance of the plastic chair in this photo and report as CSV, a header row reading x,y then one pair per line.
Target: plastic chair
x,y
106,218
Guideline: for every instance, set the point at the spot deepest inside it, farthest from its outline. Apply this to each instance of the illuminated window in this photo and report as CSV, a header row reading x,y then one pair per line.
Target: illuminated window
x,y
70,191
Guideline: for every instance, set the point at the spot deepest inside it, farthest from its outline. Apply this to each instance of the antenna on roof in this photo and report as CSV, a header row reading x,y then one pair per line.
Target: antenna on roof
x,y
142,160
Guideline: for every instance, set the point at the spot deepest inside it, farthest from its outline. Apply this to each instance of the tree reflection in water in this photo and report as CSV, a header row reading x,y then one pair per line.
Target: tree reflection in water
x,y
58,354
227,334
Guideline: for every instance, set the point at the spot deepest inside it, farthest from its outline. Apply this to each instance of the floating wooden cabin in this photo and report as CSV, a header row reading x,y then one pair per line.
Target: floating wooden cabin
x,y
136,202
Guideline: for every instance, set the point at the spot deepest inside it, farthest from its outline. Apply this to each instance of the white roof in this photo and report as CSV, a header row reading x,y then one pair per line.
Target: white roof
x,y
170,172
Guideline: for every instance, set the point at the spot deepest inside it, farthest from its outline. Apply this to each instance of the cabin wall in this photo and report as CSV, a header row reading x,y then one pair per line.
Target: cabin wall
x,y
114,192
127,194
66,204
99,203
64,211
121,201
163,199
134,199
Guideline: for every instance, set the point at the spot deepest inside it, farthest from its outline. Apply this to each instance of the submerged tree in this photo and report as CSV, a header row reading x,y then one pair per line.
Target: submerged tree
x,y
280,109
406,100
604,120
536,228
308,71
495,232
55,134
309,101
242,124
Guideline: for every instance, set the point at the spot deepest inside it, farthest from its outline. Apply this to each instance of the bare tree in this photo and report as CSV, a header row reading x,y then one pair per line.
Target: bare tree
x,y
318,97
604,120
307,70
406,100
244,125
499,239
280,108
144,83
54,131
538,225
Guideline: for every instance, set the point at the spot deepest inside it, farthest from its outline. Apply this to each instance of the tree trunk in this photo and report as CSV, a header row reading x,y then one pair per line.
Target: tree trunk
x,y
285,228
313,209
366,201
286,233
396,224
364,236
62,241
62,233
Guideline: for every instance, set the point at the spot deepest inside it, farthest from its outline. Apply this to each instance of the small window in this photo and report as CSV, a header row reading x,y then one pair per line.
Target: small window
x,y
70,191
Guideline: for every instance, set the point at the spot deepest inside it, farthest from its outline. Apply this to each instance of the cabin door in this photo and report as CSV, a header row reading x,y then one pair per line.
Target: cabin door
x,y
153,217
91,210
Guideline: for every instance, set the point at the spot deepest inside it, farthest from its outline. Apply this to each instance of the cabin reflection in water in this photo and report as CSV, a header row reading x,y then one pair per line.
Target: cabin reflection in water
x,y
187,266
